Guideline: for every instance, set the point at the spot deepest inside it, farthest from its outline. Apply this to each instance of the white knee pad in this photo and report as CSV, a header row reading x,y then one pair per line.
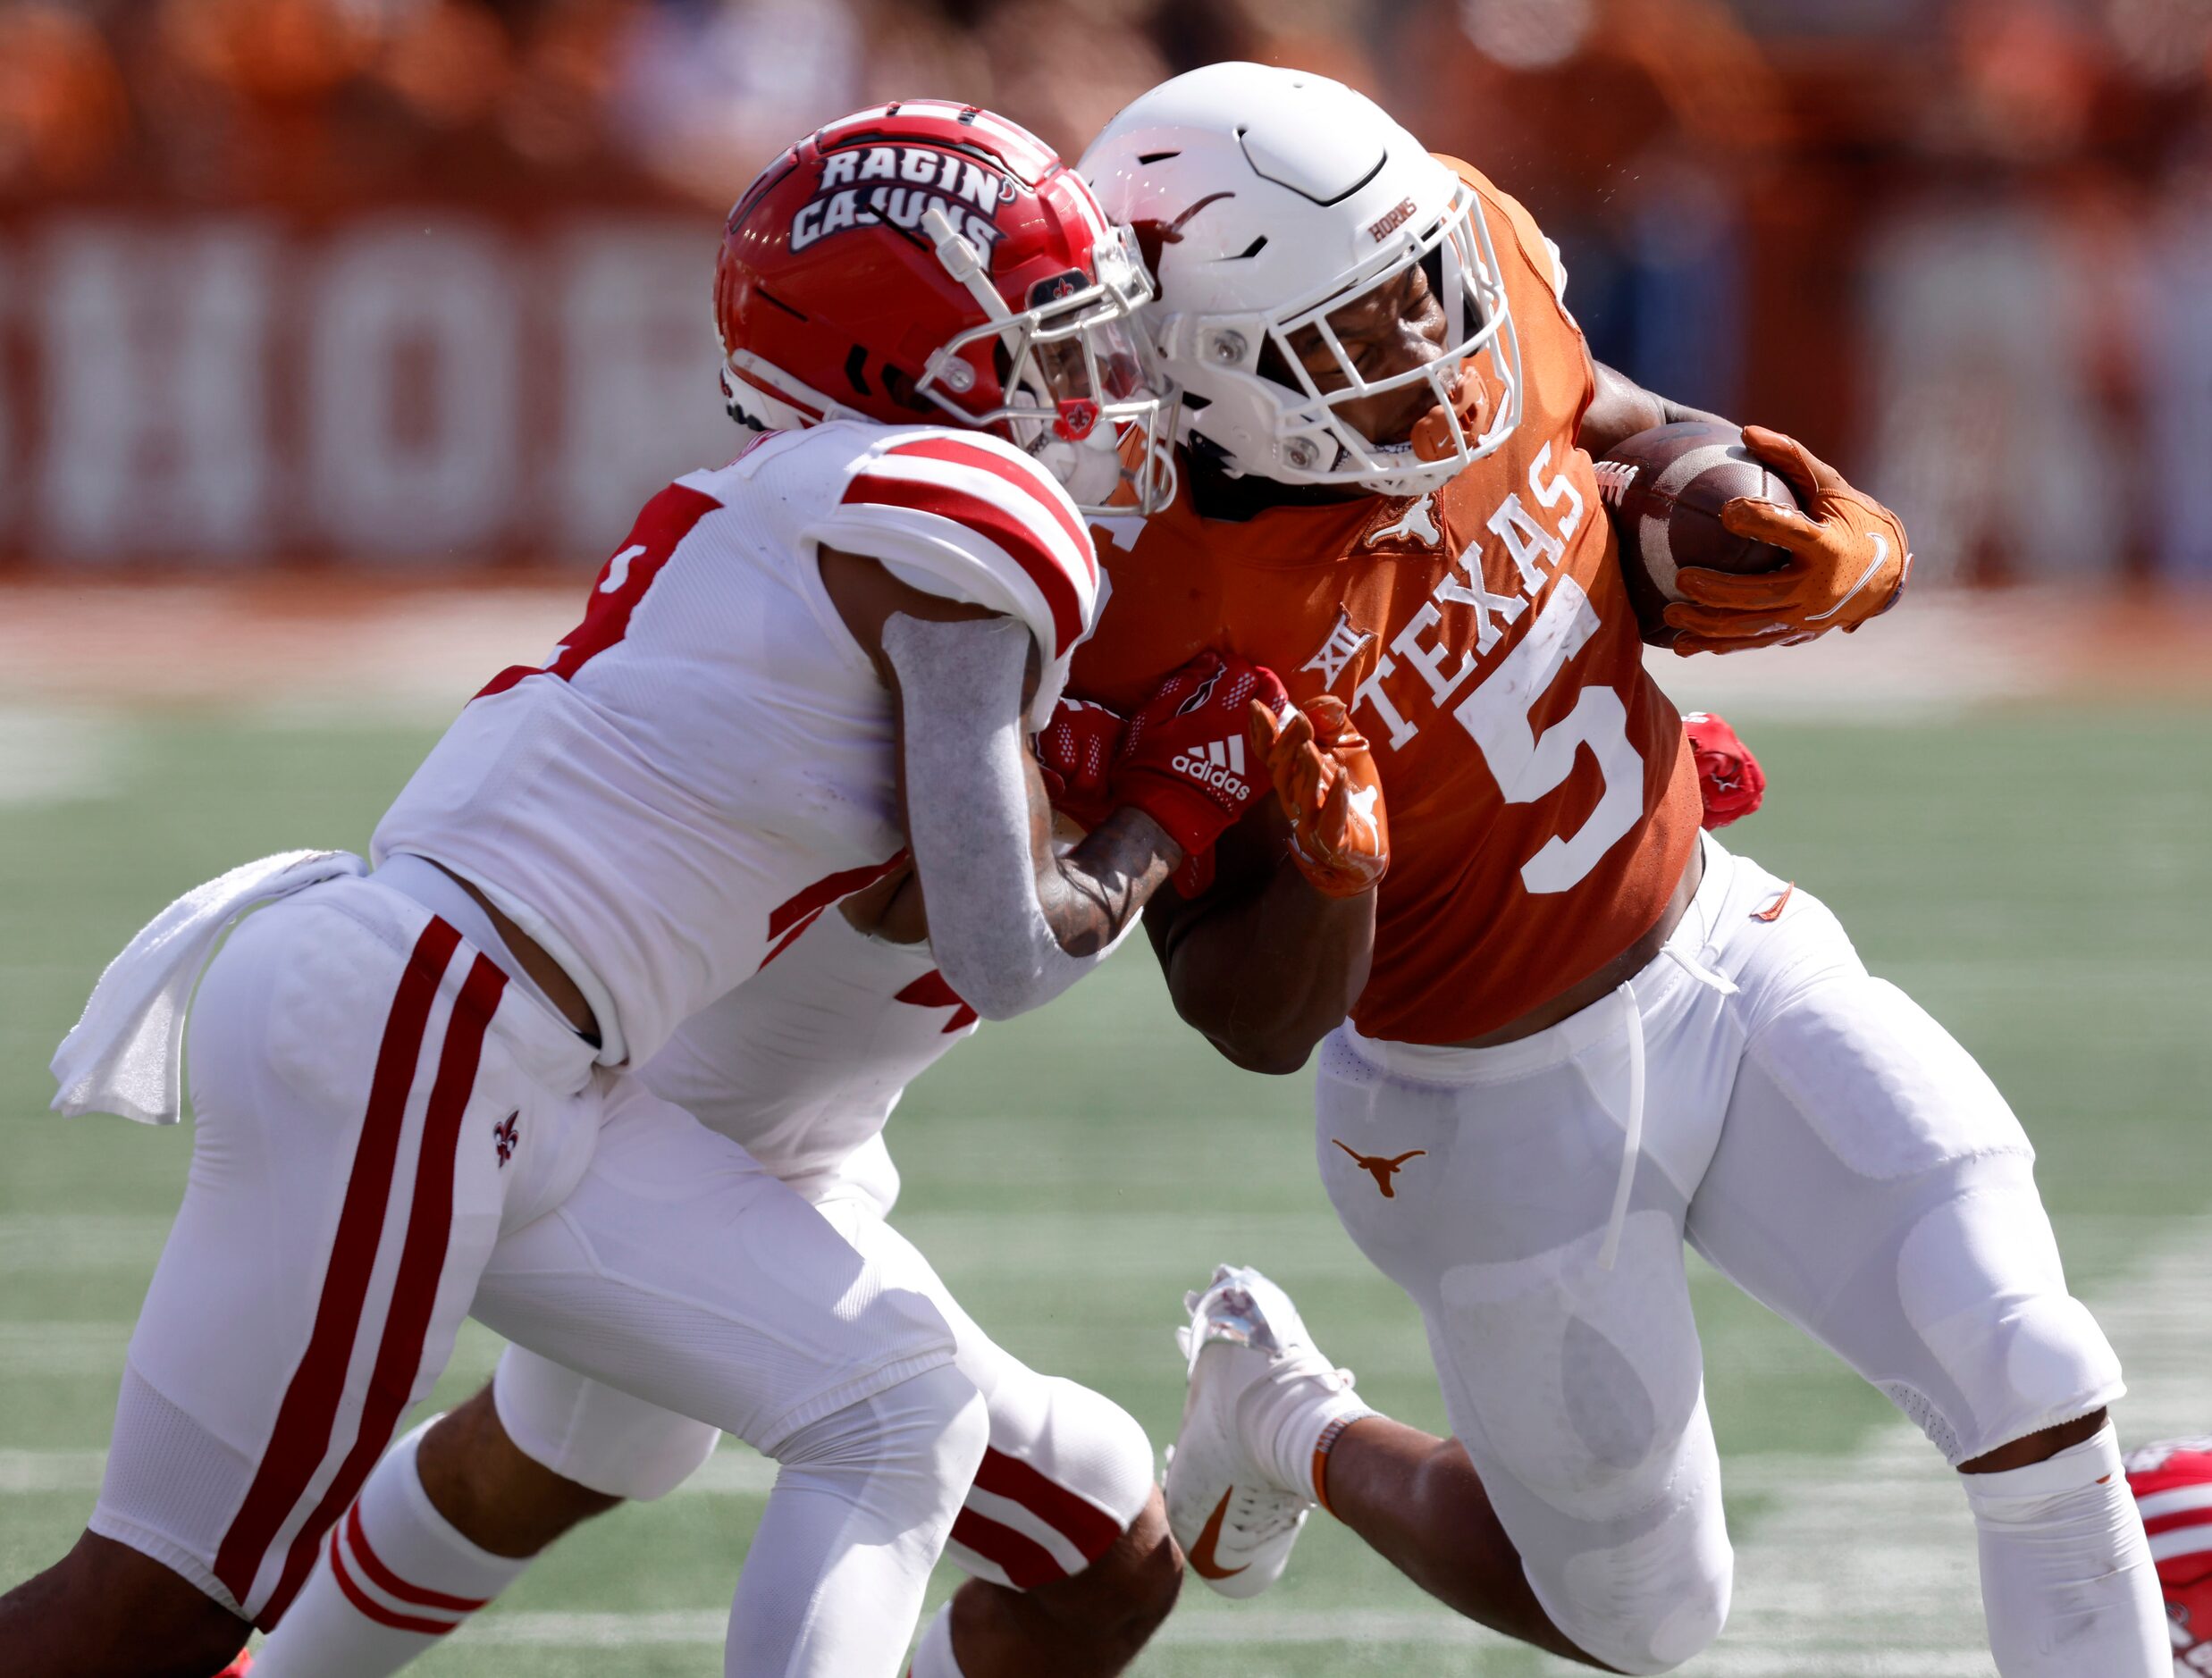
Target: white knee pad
x,y
2001,1349
932,1423
593,1434
1651,1603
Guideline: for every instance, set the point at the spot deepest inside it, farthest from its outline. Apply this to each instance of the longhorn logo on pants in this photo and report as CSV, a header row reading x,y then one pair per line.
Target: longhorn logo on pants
x,y
1379,1168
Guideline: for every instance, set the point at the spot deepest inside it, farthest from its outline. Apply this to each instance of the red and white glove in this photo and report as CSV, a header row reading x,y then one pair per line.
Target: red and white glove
x,y
1184,760
1325,779
1729,782
1849,560
1076,753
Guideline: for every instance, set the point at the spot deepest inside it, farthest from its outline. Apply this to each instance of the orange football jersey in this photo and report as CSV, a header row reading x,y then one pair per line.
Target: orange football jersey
x,y
1542,802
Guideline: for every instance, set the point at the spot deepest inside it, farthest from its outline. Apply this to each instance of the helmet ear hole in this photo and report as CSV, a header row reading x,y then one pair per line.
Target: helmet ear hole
x,y
1432,271
900,388
1462,316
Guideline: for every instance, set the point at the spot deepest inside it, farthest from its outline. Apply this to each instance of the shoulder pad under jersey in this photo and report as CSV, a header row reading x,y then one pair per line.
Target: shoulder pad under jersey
x,y
963,514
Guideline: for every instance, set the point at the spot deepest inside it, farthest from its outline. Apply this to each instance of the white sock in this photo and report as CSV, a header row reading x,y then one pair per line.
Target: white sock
x,y
2067,1584
1298,1413
934,1658
403,1578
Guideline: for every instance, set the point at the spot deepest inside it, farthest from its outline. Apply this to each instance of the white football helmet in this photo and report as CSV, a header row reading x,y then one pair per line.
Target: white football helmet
x,y
1265,199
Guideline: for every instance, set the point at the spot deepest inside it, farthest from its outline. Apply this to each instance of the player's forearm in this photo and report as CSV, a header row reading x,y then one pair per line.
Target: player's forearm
x,y
1264,977
1094,895
1622,408
982,849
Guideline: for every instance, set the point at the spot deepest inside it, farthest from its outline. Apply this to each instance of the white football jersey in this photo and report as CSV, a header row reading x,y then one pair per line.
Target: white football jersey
x,y
709,761
804,1063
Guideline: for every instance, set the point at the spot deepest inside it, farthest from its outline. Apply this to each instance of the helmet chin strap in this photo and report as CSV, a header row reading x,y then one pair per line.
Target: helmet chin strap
x,y
965,264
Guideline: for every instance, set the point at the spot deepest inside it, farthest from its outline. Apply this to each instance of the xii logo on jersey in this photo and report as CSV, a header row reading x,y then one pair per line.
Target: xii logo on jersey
x,y
864,185
1339,649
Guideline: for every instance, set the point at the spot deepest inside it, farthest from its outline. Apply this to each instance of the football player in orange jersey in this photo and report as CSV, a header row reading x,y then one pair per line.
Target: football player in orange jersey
x,y
1579,1034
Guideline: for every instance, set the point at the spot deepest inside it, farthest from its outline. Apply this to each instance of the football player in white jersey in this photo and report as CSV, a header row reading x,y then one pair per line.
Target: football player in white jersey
x,y
1062,1531
1063,1534
412,1088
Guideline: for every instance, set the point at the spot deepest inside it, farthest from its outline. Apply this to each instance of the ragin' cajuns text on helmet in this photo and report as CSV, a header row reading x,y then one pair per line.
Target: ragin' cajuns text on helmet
x,y
926,260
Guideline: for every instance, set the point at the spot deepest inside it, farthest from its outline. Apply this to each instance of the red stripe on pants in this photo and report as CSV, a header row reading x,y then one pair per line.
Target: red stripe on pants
x,y
1027,1563
422,1260
304,1421
1089,1528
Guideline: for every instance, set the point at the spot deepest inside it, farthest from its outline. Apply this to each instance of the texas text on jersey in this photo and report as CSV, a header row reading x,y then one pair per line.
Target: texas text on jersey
x,y
731,741
1543,807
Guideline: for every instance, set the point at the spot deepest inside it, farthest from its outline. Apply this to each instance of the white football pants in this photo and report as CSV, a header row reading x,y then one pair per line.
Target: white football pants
x,y
1066,1470
389,1134
1809,1130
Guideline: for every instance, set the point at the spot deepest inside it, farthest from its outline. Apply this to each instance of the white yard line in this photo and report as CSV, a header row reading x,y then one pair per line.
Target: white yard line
x,y
50,756
80,1241
23,1471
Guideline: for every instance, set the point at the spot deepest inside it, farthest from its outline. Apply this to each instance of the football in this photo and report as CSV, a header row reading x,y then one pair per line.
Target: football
x,y
1664,488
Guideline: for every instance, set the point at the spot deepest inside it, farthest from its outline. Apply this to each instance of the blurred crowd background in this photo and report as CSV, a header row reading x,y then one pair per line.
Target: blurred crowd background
x,y
424,282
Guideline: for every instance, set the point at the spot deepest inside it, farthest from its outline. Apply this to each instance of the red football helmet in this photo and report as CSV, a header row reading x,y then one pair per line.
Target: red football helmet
x,y
2173,1486
922,259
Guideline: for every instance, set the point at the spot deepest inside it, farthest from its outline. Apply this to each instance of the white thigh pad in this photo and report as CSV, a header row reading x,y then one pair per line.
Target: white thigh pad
x,y
1596,1377
1872,1186
593,1434
1889,1090
683,1272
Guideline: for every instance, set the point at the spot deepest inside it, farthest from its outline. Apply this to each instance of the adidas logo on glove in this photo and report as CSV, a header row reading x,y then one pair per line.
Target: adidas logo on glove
x,y
1222,764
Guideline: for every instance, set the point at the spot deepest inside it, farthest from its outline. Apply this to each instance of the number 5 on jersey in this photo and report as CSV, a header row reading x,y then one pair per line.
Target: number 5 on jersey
x,y
1528,765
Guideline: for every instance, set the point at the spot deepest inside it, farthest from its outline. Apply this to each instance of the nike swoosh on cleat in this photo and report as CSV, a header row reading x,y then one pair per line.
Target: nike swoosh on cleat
x,y
1202,1555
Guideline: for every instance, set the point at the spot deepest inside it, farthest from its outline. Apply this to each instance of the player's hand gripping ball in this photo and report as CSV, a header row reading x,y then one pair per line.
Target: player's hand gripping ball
x,y
1729,782
1076,753
1747,537
1666,490
1848,560
1326,780
1183,761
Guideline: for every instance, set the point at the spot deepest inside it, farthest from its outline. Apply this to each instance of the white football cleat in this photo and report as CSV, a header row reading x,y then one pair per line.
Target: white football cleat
x,y
1252,1371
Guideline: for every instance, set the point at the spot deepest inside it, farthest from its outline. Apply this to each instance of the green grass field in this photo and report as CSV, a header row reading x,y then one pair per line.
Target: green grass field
x,y
2040,878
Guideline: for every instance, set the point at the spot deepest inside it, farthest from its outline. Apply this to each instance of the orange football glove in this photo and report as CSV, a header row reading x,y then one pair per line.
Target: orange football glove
x,y
1849,560
1326,780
